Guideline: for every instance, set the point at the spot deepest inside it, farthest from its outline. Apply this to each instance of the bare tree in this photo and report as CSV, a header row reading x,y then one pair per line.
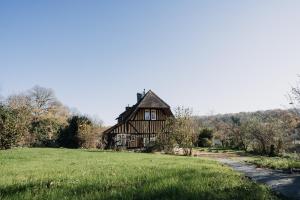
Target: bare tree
x,y
43,100
50,115
294,97
19,101
179,132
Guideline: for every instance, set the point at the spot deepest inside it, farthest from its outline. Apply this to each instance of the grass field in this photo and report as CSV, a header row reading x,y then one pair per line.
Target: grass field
x,y
276,162
83,174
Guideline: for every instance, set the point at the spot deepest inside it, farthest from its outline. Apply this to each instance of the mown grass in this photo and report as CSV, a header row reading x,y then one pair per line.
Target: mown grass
x,y
276,162
83,174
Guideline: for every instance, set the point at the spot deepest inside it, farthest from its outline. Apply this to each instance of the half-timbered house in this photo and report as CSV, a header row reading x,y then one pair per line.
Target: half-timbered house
x,y
139,124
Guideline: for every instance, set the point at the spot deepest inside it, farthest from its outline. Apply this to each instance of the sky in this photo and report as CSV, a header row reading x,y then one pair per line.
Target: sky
x,y
212,56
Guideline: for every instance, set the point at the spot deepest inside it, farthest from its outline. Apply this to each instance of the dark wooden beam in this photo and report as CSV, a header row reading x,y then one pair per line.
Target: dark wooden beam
x,y
133,127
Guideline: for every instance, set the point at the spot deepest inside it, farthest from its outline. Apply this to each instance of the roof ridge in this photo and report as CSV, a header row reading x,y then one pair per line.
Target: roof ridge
x,y
158,97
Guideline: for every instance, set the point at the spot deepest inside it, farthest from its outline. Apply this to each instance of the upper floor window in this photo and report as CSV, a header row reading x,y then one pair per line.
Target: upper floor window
x,y
153,114
147,115
150,114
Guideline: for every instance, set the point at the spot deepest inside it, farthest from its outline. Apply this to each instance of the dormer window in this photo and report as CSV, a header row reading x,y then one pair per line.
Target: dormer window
x,y
153,114
147,115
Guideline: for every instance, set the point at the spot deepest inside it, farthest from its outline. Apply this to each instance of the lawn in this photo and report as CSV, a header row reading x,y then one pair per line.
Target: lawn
x,y
86,174
276,162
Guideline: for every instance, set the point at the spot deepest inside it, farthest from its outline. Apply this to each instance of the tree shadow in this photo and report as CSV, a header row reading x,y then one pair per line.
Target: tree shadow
x,y
154,187
286,184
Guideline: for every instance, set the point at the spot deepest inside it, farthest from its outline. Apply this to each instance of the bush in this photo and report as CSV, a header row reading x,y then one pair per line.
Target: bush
x,y
205,142
79,133
9,132
205,138
45,131
178,132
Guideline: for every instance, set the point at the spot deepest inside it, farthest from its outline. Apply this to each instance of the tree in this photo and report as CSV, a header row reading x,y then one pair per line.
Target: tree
x,y
295,95
49,115
294,98
21,107
80,132
221,131
45,131
43,100
10,132
179,132
264,136
205,138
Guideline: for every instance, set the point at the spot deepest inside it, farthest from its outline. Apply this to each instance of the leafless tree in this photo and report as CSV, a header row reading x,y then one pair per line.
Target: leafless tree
x,y
180,132
49,114
19,101
43,100
294,97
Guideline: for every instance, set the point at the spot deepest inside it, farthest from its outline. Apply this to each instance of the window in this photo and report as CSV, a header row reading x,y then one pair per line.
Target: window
x,y
150,115
153,114
147,114
152,139
121,139
132,138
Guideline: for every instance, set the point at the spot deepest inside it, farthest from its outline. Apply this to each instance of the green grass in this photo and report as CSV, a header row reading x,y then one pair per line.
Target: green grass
x,y
83,174
276,162
218,150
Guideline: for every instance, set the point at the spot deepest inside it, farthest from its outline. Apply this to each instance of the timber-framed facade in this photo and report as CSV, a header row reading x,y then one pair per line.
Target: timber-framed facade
x,y
139,124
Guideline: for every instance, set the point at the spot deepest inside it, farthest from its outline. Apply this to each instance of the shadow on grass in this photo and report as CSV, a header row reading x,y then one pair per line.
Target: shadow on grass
x,y
287,184
153,187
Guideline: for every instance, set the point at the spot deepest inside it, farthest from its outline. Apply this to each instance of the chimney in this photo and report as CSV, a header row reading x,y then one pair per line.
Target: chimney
x,y
127,107
139,97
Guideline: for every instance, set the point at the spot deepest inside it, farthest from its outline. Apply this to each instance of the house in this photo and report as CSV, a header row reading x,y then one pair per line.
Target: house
x,y
139,124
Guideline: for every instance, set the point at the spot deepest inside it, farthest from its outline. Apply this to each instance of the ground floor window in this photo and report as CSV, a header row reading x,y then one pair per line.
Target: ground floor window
x,y
129,140
148,142
152,139
121,139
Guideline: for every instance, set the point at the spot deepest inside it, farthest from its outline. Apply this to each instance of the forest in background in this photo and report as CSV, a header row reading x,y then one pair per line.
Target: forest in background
x,y
270,132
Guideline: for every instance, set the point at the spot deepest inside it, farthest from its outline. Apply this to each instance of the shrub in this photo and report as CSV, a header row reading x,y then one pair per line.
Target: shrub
x,y
80,132
178,132
205,142
9,132
205,138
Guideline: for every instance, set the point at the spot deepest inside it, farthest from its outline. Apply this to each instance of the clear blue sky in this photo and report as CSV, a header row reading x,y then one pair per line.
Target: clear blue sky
x,y
221,56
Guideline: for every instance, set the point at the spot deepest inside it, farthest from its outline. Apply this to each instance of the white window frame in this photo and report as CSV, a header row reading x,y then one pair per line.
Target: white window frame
x,y
146,141
121,139
153,115
147,114
152,139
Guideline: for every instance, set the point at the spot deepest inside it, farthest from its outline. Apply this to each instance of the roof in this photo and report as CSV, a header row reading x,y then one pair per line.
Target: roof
x,y
149,100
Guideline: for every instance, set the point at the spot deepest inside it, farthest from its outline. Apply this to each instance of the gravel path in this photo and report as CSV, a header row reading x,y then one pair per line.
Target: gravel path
x,y
286,184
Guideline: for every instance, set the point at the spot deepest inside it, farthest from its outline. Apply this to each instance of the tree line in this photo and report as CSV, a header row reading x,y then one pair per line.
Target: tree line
x,y
37,118
271,132
264,132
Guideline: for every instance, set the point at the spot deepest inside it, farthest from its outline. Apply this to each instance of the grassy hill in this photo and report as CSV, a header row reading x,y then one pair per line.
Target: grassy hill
x,y
86,174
